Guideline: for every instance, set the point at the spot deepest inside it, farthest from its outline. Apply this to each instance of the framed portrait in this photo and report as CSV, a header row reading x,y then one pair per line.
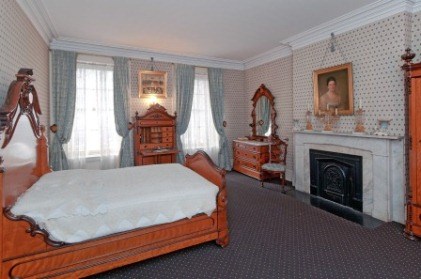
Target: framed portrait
x,y
333,89
152,83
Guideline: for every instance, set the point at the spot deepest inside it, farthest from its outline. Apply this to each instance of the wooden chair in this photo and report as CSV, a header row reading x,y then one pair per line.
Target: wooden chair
x,y
277,161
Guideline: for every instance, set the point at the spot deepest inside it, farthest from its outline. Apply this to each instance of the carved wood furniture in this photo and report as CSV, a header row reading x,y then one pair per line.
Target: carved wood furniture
x,y
277,165
413,145
250,155
261,94
26,251
154,137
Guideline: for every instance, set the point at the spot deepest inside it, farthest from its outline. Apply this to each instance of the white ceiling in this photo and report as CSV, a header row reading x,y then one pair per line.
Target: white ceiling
x,y
230,29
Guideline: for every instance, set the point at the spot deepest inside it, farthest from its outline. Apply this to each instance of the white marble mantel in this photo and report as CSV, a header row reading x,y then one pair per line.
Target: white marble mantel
x,y
383,168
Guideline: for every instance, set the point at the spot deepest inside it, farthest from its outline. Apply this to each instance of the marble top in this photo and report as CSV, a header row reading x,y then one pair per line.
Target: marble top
x,y
358,135
252,142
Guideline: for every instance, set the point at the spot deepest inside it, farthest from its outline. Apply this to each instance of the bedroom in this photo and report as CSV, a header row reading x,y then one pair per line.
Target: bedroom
x,y
372,35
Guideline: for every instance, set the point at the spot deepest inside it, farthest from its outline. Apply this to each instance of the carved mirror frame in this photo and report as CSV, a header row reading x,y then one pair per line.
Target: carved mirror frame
x,y
263,91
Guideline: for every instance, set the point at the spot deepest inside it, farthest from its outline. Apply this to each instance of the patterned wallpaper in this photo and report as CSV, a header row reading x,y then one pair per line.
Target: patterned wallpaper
x,y
416,36
277,77
234,88
141,104
374,51
22,47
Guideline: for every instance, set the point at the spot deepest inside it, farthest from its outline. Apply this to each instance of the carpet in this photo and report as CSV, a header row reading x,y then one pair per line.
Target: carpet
x,y
277,236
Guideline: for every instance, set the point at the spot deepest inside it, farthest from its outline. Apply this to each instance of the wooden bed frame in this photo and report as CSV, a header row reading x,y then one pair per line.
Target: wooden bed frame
x,y
26,251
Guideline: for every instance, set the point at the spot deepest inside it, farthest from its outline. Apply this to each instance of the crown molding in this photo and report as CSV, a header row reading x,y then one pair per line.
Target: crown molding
x,y
350,21
268,56
96,48
38,15
417,6
376,11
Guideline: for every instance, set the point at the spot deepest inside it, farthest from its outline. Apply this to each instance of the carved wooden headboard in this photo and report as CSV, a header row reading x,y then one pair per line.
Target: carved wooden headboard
x,y
24,148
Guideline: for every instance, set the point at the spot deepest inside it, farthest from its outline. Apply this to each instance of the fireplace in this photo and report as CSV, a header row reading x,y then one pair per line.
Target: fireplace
x,y
337,177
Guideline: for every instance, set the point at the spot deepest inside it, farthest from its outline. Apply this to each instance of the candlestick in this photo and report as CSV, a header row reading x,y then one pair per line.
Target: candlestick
x,y
336,111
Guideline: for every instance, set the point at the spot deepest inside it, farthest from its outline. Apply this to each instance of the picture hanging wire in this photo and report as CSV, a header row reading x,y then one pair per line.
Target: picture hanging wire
x,y
153,67
332,46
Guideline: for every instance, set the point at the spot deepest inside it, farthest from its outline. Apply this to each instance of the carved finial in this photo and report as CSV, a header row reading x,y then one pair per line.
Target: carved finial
x,y
408,56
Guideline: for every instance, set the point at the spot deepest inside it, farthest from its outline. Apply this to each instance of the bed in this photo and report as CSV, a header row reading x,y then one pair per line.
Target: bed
x,y
28,250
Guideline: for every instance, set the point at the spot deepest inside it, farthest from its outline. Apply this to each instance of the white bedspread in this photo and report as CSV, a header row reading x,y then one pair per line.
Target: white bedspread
x,y
78,205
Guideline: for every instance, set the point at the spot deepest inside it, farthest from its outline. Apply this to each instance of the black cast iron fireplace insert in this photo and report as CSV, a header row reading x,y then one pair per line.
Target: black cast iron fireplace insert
x,y
337,177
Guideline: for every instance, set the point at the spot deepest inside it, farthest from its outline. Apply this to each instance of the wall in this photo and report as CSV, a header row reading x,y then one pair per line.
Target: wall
x,y
374,51
416,36
277,77
22,47
234,88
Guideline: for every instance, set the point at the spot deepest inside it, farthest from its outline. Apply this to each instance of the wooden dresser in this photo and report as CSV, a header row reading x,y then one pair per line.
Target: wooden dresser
x,y
413,144
154,137
250,155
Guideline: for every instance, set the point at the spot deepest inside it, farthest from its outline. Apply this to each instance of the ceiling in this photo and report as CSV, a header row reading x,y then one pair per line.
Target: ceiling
x,y
230,29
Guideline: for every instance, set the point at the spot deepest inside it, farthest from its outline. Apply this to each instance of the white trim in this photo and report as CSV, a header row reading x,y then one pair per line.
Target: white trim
x,y
87,47
417,6
38,15
350,21
376,11
268,56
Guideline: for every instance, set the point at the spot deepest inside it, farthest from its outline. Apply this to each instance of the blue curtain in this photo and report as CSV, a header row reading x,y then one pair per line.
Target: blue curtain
x,y
121,110
63,96
184,89
216,90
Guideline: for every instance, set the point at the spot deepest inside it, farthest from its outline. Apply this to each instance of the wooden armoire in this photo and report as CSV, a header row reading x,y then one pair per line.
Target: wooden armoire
x,y
413,145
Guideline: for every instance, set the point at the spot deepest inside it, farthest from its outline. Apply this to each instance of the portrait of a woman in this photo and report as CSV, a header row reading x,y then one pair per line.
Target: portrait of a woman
x,y
331,99
333,90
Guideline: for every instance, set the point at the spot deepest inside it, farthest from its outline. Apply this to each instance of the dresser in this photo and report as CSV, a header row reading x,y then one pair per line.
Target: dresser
x,y
154,137
250,155
413,145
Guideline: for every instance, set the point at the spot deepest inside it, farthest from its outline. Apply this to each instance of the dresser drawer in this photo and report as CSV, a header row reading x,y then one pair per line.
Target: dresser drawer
x,y
245,154
252,164
252,148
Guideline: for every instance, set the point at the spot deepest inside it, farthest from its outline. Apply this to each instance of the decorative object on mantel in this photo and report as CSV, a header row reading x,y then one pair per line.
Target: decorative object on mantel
x,y
329,118
309,126
383,127
359,121
297,126
152,83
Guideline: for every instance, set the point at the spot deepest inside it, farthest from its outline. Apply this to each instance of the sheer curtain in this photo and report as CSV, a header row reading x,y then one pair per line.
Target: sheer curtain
x,y
201,133
94,142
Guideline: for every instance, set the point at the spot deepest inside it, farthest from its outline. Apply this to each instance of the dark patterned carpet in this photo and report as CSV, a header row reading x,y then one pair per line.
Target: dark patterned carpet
x,y
276,236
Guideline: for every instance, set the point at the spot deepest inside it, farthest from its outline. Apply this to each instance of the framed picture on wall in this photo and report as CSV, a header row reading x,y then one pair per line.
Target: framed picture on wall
x,y
152,83
333,89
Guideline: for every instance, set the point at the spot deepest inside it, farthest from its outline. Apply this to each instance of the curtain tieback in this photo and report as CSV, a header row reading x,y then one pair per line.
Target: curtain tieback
x,y
224,123
54,128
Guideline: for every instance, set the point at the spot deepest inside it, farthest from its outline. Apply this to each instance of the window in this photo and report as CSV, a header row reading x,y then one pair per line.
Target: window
x,y
94,135
201,133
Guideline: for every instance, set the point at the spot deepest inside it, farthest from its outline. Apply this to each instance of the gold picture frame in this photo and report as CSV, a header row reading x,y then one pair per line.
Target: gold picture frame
x,y
152,83
333,89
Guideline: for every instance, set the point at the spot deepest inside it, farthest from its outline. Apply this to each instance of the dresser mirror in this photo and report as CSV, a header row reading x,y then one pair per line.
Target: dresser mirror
x,y
263,114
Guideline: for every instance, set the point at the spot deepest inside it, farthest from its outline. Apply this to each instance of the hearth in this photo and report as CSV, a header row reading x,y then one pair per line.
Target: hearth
x,y
337,177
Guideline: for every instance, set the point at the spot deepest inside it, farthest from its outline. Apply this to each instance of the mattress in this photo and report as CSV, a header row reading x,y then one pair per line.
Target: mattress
x,y
78,205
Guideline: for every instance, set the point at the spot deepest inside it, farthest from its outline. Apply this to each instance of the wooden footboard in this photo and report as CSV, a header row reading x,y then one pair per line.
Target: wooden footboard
x,y
24,251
